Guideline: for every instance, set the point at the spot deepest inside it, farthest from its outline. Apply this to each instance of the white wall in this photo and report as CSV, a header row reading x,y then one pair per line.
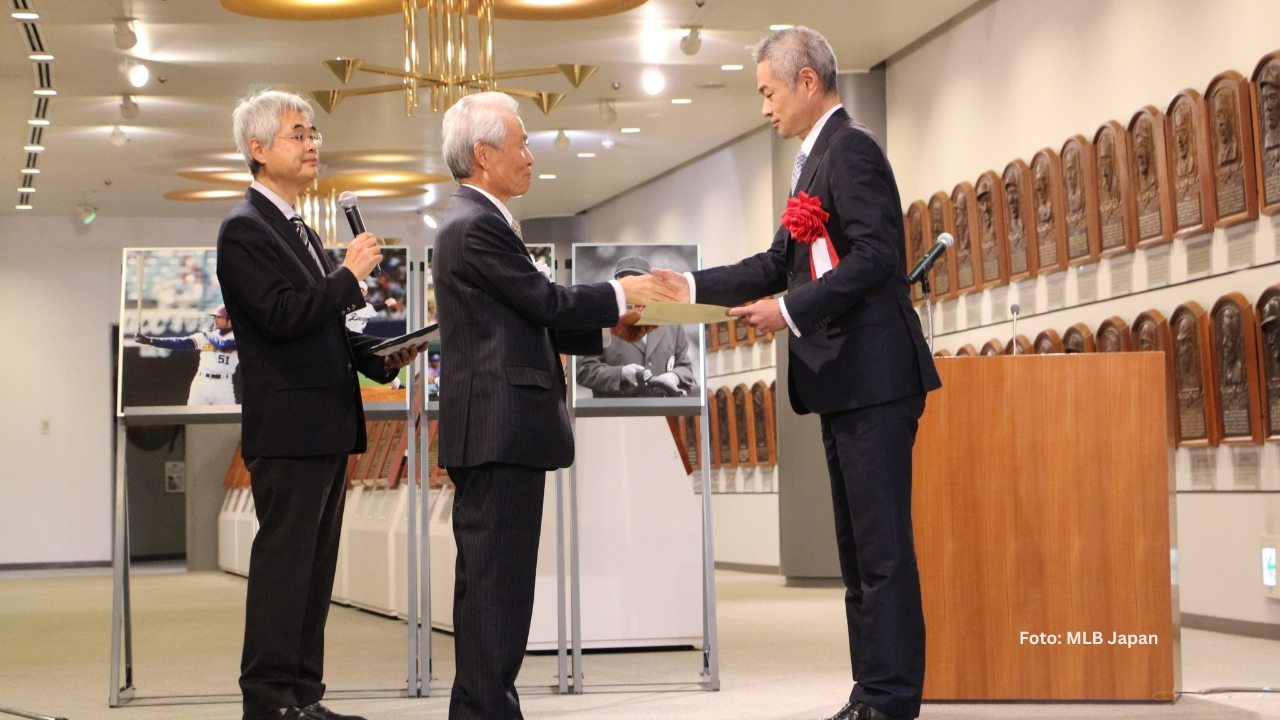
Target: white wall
x,y
1020,75
61,283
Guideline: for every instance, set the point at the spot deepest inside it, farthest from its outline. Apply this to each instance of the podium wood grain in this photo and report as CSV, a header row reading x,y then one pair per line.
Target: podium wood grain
x,y
1033,513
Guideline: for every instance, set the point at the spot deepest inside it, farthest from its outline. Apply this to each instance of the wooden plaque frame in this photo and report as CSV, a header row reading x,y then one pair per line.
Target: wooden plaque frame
x,y
1269,359
992,348
917,242
713,424
1187,147
709,336
1229,93
724,335
1078,339
967,350
1016,183
1116,207
1048,203
1151,334
1153,200
728,427
1190,325
1114,336
941,353
744,445
1048,342
1080,207
1024,346
942,220
1244,369
992,242
1267,148
764,431
964,218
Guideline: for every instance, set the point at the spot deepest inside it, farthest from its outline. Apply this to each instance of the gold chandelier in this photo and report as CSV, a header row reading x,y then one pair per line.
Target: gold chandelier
x,y
450,72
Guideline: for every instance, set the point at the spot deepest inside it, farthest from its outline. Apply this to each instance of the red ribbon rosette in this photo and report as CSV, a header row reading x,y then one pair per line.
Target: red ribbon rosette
x,y
805,219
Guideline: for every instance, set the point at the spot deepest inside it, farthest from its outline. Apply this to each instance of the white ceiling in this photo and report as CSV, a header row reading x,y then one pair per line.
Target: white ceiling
x,y
208,56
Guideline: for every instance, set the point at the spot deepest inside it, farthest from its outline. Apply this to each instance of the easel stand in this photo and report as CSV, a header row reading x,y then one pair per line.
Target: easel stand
x,y
24,714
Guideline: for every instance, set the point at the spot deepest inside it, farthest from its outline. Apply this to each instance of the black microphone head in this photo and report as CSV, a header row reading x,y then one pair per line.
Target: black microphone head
x,y
1015,308
946,239
347,200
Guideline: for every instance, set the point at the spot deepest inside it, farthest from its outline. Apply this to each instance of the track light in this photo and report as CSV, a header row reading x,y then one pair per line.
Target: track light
x,y
562,141
125,36
117,137
128,107
136,72
691,43
608,112
88,213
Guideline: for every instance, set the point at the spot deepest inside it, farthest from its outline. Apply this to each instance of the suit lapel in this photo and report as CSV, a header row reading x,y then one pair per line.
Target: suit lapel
x,y
816,158
284,233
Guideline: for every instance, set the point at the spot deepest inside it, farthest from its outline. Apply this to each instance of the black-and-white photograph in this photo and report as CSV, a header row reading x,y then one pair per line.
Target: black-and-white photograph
x,y
661,369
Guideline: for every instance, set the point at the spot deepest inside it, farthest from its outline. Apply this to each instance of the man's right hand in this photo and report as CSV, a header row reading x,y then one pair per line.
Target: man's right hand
x,y
644,289
363,255
675,283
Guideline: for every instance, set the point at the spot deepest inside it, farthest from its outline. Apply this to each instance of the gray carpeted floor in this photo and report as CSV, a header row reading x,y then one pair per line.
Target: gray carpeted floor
x,y
782,656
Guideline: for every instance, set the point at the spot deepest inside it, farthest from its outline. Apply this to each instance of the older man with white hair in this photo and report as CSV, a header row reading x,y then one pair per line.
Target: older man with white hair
x,y
503,422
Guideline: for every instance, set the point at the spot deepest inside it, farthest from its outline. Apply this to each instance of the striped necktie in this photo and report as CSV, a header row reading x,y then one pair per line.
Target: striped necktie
x,y
795,169
305,237
515,225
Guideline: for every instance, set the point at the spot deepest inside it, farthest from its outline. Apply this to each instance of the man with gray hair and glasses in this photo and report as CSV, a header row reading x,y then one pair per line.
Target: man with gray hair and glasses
x,y
301,416
857,356
503,421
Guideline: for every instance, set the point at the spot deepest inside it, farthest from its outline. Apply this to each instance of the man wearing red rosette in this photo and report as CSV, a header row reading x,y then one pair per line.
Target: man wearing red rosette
x,y
857,355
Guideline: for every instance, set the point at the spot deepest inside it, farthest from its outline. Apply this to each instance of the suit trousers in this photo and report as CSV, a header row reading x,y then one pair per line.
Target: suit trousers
x,y
497,522
869,458
299,503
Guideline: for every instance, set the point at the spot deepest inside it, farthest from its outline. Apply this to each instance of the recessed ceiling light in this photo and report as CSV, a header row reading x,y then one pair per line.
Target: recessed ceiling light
x,y
731,68
30,171
27,189
45,92
40,57
38,122
33,148
547,176
586,155
607,143
681,101
652,81
776,28
24,15
21,207
630,130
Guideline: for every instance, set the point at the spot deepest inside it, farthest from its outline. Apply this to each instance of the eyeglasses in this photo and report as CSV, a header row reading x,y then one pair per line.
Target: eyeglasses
x,y
301,138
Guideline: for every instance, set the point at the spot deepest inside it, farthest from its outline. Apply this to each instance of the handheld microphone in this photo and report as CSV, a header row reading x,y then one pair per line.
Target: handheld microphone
x,y
347,201
926,263
1014,309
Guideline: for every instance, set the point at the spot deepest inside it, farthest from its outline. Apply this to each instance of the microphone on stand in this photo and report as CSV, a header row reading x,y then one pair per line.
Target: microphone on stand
x,y
1014,309
347,201
926,263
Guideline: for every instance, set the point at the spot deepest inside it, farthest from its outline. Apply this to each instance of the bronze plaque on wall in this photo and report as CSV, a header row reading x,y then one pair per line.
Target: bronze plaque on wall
x,y
1187,128
1151,334
714,424
917,242
1150,174
691,435
1115,191
1020,230
940,221
1235,356
724,340
1048,343
1080,192
993,347
1078,339
709,337
743,333
1197,409
967,350
994,257
728,428
744,418
964,219
1269,352
1023,344
1114,336
1266,125
1231,149
762,408
1047,196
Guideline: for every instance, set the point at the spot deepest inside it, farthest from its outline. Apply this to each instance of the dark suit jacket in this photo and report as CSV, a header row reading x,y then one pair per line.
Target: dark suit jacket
x,y
297,359
502,327
860,342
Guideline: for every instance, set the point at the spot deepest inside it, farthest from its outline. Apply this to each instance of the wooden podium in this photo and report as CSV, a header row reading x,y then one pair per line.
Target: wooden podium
x,y
1042,511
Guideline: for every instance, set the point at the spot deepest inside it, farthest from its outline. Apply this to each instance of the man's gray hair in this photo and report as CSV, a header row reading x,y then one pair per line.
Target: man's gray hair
x,y
475,118
258,116
790,51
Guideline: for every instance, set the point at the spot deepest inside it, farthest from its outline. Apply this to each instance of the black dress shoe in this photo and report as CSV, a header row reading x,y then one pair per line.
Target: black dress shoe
x,y
863,711
316,711
845,713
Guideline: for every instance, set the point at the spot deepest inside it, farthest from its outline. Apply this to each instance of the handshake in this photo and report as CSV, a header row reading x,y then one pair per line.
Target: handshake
x,y
661,285
667,384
